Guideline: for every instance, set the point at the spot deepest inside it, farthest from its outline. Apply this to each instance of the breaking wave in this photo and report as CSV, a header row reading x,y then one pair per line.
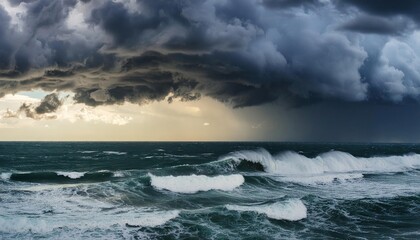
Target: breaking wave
x,y
195,183
291,210
292,163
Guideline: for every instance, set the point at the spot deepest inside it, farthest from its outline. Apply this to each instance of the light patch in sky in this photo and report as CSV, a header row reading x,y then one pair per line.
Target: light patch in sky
x,y
15,13
37,94
157,121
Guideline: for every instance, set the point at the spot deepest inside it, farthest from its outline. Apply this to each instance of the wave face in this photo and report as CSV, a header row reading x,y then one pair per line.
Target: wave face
x,y
292,163
291,210
58,177
196,183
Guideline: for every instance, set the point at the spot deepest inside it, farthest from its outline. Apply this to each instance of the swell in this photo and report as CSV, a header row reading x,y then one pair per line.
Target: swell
x,y
59,177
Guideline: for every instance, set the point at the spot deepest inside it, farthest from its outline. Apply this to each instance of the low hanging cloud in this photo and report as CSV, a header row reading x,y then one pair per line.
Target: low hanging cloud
x,y
45,109
240,52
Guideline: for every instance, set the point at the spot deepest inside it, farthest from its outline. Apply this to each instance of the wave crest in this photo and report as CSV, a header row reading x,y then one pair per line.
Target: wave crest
x,y
291,210
71,175
196,183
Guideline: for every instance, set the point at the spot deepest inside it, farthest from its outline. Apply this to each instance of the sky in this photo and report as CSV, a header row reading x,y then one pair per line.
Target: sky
x,y
210,70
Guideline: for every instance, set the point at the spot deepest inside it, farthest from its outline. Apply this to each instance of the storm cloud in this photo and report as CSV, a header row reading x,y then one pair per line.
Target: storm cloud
x,y
242,53
43,110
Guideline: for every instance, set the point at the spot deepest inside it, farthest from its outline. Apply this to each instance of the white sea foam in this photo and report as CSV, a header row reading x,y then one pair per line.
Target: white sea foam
x,y
51,187
5,176
118,174
103,221
72,175
292,163
195,183
42,212
114,153
291,210
87,151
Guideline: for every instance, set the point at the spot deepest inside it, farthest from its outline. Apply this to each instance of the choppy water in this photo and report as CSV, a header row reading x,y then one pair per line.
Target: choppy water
x,y
209,191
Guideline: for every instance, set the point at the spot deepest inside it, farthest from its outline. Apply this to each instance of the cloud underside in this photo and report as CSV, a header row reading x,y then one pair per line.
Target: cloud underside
x,y
240,52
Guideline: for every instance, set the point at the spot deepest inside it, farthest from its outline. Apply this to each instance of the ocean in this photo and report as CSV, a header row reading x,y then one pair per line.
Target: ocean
x,y
199,190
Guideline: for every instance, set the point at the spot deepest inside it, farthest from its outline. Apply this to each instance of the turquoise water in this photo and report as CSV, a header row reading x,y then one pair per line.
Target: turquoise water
x,y
209,191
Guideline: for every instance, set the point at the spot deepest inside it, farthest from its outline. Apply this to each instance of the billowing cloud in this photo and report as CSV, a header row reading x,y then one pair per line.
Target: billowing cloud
x,y
242,53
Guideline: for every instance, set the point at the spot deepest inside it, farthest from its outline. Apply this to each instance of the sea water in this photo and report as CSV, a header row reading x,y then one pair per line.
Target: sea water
x,y
189,190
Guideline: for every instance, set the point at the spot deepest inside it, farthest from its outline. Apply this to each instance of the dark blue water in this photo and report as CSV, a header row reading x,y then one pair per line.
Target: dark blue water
x,y
209,191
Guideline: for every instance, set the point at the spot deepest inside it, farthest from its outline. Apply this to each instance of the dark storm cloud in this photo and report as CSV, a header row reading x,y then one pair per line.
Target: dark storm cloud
x,y
242,53
44,110
49,104
5,46
290,3
410,8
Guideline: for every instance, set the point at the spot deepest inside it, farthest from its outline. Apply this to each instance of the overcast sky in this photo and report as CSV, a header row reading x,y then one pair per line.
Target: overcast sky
x,y
286,70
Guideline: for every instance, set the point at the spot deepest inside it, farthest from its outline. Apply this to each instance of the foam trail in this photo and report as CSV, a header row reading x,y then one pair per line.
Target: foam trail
x,y
72,175
86,151
195,183
121,218
292,163
291,210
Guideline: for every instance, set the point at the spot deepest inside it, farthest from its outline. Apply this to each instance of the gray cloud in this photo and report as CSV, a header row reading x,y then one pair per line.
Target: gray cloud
x,y
408,8
242,53
5,45
291,3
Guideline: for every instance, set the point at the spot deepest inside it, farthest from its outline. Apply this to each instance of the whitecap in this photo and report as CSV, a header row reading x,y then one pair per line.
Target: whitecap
x,y
195,183
291,210
153,219
118,174
5,176
114,153
87,152
72,175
